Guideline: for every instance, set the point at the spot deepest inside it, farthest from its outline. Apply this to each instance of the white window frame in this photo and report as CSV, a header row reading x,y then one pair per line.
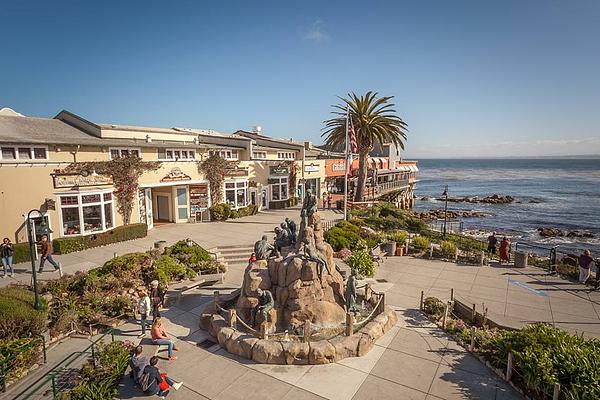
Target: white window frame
x,y
31,153
263,155
121,149
191,155
286,155
239,184
227,154
80,206
276,187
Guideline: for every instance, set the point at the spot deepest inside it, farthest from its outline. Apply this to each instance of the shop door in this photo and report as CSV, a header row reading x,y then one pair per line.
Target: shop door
x,y
149,211
265,197
162,207
181,204
311,184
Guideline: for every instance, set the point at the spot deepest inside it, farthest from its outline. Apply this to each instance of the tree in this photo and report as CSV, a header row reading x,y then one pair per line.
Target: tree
x,y
374,120
125,172
214,168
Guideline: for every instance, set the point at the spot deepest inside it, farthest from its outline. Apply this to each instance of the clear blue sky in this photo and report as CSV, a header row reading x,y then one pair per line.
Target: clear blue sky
x,y
470,78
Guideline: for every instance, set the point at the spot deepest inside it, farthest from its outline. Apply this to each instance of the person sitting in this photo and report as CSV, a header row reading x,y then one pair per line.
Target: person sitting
x,y
137,363
160,337
154,382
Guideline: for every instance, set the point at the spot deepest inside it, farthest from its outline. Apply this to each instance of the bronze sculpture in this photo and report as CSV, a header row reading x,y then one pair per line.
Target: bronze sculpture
x,y
263,249
265,304
313,255
350,293
293,229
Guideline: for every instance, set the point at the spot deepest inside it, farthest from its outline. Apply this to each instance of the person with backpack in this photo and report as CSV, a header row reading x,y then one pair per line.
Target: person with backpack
x,y
137,363
154,382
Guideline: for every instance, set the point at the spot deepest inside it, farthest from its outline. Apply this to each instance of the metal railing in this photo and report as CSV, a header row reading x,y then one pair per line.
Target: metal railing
x,y
7,365
61,377
451,226
327,225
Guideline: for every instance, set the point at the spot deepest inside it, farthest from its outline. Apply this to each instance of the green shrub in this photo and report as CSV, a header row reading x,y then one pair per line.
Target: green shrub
x,y
434,308
18,317
220,212
244,211
195,257
18,355
168,269
21,253
421,243
67,245
399,237
363,264
339,238
372,241
448,249
347,226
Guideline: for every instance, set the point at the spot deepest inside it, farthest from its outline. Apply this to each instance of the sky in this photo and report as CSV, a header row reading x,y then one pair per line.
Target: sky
x,y
470,78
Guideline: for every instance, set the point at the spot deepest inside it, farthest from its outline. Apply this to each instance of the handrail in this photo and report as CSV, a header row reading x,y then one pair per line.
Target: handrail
x,y
213,254
50,376
366,320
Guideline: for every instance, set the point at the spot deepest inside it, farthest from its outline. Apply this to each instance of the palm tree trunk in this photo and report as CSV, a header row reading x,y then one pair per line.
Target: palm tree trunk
x,y
362,176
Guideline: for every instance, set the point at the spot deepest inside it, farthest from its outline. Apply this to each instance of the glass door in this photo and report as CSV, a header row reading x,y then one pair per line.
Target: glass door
x,y
149,213
181,204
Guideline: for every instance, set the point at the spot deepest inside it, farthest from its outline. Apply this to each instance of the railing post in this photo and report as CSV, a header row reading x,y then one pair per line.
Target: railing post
x,y
509,365
368,292
456,255
421,304
93,356
451,294
445,315
406,246
306,332
472,346
263,330
2,377
431,250
44,349
473,315
349,324
481,259
54,391
112,335
232,318
216,297
556,393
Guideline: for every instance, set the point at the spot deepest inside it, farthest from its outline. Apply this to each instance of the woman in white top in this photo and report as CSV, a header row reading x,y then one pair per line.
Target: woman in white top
x,y
144,307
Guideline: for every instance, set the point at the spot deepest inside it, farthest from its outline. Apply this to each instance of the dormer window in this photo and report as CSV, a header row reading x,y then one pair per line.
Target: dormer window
x,y
286,155
23,153
176,154
226,154
118,152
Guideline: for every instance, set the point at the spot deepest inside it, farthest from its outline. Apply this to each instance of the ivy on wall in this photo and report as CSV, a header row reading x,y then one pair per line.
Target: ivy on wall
x,y
125,172
215,168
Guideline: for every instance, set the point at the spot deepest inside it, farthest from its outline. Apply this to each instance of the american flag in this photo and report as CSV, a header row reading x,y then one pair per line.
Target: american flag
x,y
352,135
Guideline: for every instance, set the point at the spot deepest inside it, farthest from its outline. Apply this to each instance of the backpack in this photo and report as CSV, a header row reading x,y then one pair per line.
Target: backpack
x,y
145,381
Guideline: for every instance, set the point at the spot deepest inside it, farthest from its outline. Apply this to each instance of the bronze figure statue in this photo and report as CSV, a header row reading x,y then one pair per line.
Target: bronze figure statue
x,y
263,250
350,293
265,304
313,255
293,230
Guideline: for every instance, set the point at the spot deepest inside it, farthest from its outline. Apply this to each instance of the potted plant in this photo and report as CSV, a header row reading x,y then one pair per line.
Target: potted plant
x,y
399,237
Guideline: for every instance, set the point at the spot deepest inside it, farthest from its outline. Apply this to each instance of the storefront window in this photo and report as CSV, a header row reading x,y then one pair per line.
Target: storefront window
x,y
279,188
86,213
236,194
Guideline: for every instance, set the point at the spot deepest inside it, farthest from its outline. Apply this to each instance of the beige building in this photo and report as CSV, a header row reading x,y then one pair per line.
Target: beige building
x,y
34,150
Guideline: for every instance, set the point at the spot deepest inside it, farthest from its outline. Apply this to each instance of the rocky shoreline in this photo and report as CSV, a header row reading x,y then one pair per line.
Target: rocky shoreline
x,y
493,199
451,214
556,232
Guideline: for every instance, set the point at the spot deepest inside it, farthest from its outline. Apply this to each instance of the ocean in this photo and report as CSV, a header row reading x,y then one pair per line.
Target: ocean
x,y
557,193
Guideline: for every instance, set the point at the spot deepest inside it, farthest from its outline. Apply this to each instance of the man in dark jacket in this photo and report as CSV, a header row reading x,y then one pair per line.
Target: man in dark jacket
x,y
6,253
157,297
159,383
47,251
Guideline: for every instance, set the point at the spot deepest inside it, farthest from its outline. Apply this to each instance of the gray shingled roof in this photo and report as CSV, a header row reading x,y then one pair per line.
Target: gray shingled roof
x,y
42,131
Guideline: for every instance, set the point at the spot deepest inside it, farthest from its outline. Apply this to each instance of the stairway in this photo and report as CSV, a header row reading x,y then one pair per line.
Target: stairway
x,y
233,256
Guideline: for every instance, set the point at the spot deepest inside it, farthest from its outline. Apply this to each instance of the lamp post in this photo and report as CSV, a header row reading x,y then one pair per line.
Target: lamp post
x,y
43,229
445,194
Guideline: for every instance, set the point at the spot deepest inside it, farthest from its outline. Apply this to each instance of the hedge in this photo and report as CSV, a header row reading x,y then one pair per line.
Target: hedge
x,y
18,318
278,204
21,253
67,245
223,211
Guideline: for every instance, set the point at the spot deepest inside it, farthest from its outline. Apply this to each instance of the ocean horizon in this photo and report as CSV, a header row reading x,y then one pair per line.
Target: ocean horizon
x,y
549,192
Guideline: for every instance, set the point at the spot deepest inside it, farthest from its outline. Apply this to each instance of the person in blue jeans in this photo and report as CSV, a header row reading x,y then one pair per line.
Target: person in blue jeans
x,y
6,252
160,337
47,251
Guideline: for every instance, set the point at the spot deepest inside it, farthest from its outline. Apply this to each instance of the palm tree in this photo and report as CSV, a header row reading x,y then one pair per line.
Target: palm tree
x,y
374,121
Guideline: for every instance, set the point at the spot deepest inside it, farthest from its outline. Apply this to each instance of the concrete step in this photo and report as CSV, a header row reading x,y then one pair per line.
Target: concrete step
x,y
233,247
228,253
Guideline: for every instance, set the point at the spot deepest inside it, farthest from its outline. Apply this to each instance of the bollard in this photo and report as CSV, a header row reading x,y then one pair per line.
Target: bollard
x,y
431,250
232,319
482,259
115,255
306,333
406,247
263,330
216,297
473,315
451,294
421,304
509,364
556,393
445,316
456,255
472,346
349,324
368,292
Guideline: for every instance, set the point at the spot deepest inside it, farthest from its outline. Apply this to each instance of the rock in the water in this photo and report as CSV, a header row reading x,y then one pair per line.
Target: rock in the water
x,y
580,234
550,232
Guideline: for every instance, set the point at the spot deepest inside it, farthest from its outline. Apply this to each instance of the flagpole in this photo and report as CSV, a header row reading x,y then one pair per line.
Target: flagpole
x,y
347,167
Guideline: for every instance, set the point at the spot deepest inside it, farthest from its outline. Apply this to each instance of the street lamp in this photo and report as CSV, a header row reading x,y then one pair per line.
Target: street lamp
x,y
43,229
445,194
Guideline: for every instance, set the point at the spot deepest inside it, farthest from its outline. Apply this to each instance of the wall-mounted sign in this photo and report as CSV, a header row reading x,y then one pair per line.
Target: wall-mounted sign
x,y
198,198
279,170
312,168
338,167
76,180
335,167
236,172
176,175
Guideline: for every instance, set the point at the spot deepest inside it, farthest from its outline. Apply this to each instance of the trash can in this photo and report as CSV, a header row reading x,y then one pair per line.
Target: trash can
x,y
520,259
389,248
339,204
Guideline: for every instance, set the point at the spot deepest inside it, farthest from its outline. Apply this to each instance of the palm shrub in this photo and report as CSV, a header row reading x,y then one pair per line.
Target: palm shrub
x,y
399,237
363,264
421,243
448,249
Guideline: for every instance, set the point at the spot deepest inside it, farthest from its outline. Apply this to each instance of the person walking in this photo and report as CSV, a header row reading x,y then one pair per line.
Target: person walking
x,y
154,382
6,252
504,250
161,337
492,242
47,251
585,266
157,297
144,308
329,199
